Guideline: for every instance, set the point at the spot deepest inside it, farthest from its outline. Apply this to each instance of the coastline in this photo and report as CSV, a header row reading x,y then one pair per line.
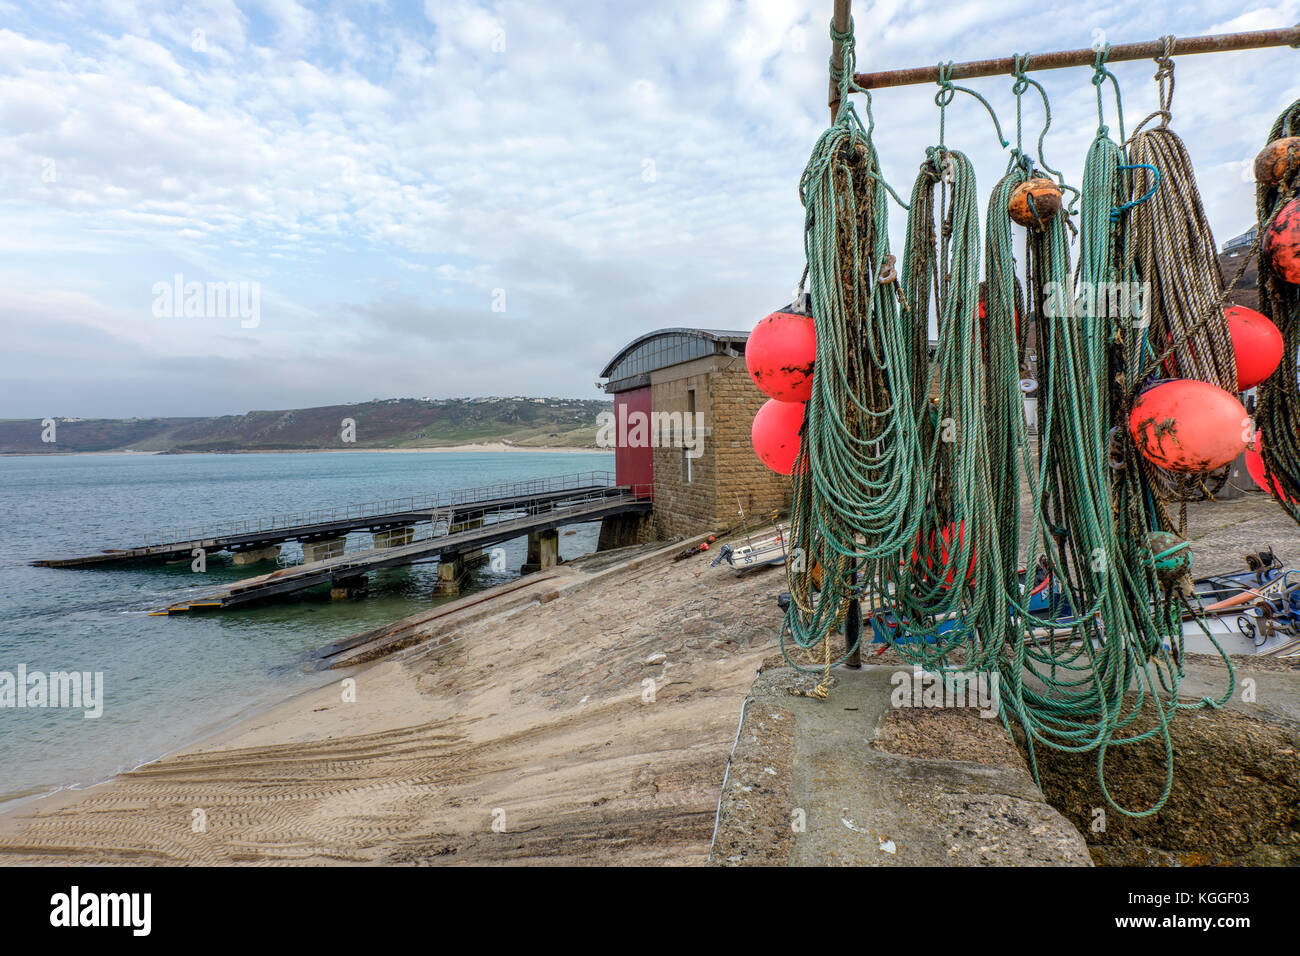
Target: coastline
x,y
473,447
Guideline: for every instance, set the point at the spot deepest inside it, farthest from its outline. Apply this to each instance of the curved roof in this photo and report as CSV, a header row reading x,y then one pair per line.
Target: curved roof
x,y
665,347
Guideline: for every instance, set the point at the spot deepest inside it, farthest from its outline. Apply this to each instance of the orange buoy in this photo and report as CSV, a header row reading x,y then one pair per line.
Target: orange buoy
x,y
1034,202
775,434
1277,160
1189,426
780,355
1282,242
1255,466
1256,344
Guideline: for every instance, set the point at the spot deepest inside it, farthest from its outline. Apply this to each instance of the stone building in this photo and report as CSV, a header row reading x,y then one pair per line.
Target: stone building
x,y
676,379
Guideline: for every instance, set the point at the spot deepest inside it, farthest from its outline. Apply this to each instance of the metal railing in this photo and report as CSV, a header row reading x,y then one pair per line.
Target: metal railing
x,y
390,506
516,511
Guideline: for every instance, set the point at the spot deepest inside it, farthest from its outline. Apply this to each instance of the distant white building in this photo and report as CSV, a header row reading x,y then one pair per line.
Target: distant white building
x,y
1241,243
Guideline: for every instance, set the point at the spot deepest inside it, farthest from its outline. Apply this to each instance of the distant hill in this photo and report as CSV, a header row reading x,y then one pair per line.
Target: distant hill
x,y
391,423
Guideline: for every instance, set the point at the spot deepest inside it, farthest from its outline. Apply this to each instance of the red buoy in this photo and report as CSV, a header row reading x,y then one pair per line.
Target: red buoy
x,y
1255,466
775,434
1256,343
780,354
937,545
1189,426
1282,242
947,536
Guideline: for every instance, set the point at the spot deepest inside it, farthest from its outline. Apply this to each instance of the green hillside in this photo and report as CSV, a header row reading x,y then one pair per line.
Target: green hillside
x,y
387,423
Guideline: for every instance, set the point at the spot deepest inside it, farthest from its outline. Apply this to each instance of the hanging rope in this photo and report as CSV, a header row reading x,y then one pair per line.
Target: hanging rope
x,y
916,472
854,501
1277,407
1176,258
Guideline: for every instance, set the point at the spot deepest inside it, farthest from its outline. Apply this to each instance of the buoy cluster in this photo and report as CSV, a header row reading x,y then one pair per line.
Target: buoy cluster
x,y
780,354
1190,426
1181,425
1193,427
1277,162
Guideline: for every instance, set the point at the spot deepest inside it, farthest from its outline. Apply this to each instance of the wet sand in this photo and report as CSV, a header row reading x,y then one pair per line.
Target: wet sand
x,y
585,717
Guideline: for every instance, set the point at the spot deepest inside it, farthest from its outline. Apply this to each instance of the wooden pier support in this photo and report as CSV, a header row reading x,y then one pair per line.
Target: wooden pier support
x,y
322,550
451,575
254,555
543,551
348,588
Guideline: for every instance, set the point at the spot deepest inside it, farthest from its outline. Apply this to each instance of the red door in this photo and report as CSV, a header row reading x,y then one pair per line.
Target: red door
x,y
633,466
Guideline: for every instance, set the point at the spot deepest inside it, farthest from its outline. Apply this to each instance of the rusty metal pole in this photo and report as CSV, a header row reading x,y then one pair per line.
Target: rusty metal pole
x,y
1220,43
840,20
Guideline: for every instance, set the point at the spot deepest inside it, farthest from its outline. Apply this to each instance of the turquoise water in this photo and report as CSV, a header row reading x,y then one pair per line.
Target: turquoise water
x,y
169,679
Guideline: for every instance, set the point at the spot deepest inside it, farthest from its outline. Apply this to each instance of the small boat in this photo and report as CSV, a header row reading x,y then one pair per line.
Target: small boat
x,y
1256,611
755,552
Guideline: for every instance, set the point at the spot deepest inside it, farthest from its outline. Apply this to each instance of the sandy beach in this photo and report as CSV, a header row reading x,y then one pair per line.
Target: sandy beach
x,y
580,715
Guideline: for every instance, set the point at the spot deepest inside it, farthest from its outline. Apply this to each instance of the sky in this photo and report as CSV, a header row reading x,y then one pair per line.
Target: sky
x,y
458,198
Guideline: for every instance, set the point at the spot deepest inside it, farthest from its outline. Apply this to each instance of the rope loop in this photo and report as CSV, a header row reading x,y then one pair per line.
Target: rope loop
x,y
945,96
1165,74
1120,210
1021,159
946,88
948,91
1020,66
1020,63
843,71
1100,73
1100,54
844,39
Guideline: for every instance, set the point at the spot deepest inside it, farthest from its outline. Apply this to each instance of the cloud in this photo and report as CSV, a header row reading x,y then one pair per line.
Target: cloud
x,y
383,170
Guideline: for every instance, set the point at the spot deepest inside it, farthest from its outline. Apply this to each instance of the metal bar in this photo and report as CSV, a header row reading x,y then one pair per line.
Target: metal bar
x,y
1220,43
840,20
853,629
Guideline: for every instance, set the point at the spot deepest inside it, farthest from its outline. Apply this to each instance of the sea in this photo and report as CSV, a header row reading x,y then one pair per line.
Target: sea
x,y
169,680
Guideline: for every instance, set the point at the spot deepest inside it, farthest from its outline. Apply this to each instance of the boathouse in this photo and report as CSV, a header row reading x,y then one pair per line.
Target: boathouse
x,y
694,376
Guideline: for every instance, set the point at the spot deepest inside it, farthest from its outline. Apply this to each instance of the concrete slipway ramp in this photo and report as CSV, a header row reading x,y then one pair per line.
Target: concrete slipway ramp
x,y
852,781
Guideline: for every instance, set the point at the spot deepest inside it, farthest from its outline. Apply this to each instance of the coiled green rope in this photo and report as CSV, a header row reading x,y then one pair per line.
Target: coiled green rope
x,y
854,499
908,488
